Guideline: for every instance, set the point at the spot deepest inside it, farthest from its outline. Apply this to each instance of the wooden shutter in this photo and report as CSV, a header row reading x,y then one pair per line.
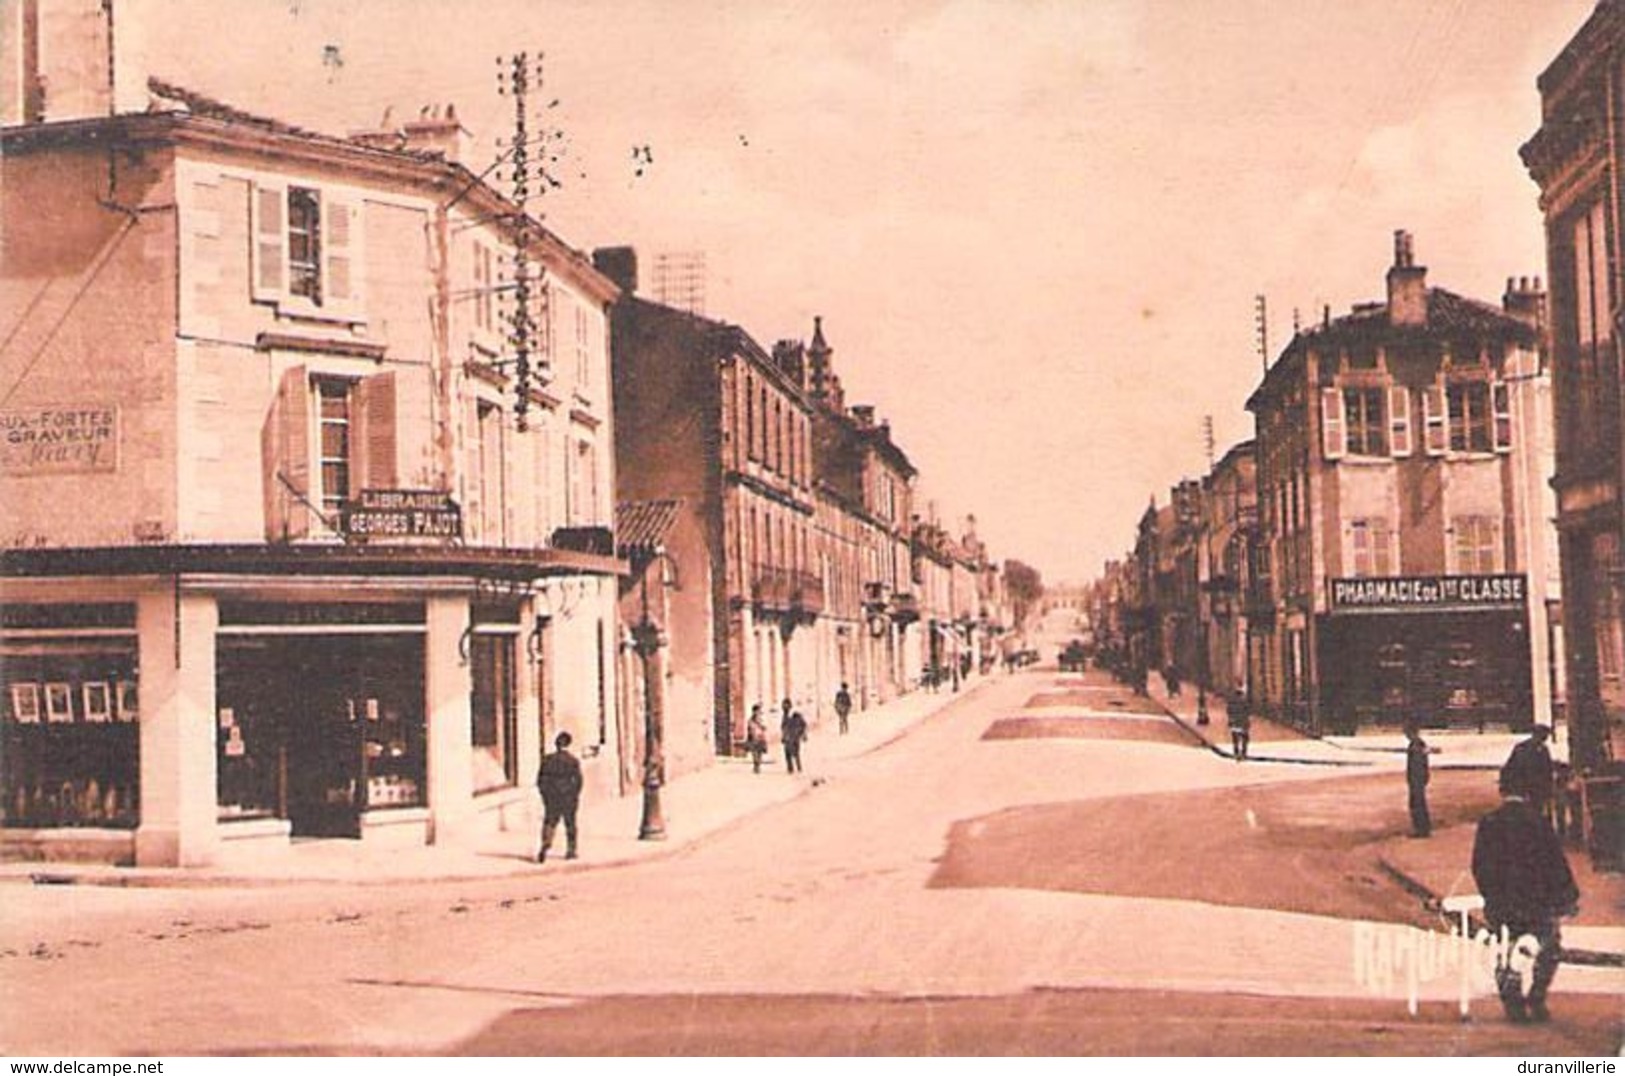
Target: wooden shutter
x,y
1501,402
1399,420
285,457
374,421
342,232
1333,435
268,210
1435,433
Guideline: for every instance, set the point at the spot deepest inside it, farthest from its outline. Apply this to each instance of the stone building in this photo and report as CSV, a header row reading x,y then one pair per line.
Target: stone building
x,y
279,559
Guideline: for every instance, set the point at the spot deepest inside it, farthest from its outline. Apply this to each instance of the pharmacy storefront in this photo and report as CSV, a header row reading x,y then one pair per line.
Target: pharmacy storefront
x,y
1445,651
175,705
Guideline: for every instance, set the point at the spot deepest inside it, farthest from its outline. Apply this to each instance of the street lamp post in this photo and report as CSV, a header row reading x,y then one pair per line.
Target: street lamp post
x,y
650,644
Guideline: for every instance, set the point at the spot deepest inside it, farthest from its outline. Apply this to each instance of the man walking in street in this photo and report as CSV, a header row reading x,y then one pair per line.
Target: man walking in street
x,y
1416,780
1527,886
559,782
756,738
1240,719
793,729
843,706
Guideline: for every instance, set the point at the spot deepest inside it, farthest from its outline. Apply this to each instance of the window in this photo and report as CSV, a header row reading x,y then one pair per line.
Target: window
x,y
333,416
305,244
484,288
583,348
488,473
305,247
1365,422
1473,539
750,418
1469,404
1372,544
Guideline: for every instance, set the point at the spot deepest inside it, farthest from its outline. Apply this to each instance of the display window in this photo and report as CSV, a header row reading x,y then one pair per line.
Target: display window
x,y
318,728
494,716
69,754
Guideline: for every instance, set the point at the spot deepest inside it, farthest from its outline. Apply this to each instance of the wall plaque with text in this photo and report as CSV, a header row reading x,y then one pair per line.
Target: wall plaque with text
x,y
65,439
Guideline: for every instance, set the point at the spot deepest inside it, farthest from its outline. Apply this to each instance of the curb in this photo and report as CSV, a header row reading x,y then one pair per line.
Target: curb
x,y
1431,902
1222,753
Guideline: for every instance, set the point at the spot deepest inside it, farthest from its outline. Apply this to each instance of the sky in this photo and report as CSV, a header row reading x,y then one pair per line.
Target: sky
x,y
1035,229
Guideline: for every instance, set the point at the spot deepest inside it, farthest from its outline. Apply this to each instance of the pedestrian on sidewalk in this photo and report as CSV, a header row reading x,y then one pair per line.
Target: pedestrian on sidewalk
x,y
756,738
1416,780
559,781
843,706
1527,886
1170,680
793,729
1239,718
1529,770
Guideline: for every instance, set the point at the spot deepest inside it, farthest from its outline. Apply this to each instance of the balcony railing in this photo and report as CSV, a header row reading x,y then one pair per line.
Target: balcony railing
x,y
785,590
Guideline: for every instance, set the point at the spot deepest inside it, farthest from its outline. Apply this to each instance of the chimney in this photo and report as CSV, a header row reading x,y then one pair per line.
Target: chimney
x,y
1525,300
864,414
620,264
788,357
1407,285
438,130
69,60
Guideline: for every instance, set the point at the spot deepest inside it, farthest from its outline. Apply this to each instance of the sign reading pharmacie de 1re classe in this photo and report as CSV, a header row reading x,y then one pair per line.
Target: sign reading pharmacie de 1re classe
x,y
1424,593
401,514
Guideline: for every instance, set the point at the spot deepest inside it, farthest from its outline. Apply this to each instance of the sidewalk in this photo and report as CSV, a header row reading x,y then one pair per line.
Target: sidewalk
x,y
694,806
1272,741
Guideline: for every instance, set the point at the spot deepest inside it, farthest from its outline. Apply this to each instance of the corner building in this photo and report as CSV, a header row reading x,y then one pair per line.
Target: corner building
x,y
279,560
1399,453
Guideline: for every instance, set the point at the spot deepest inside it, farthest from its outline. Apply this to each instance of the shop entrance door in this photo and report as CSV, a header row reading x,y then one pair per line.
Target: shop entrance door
x,y
323,743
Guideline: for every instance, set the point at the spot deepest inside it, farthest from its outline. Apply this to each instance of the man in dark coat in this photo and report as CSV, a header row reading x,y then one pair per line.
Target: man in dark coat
x,y
843,707
559,782
1526,883
1416,780
1238,716
792,730
1529,770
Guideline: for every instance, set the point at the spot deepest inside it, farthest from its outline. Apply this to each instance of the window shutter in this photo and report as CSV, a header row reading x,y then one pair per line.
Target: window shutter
x,y
285,458
376,419
1501,397
473,501
1399,418
268,209
341,242
1334,437
1433,415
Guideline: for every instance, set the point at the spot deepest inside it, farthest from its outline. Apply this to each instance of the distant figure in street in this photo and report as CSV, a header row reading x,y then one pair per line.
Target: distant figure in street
x,y
756,738
1416,780
793,729
1529,772
843,706
1137,679
1527,886
1239,717
1170,680
559,781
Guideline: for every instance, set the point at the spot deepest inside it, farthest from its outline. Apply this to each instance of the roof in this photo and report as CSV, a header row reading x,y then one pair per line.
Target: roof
x,y
641,526
1448,315
202,105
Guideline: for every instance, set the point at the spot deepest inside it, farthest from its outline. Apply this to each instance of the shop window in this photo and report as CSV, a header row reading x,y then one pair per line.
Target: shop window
x,y
305,249
1461,662
1393,675
69,727
1474,540
493,704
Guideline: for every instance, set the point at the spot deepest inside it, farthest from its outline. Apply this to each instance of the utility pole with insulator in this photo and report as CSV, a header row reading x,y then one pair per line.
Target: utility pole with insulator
x,y
516,82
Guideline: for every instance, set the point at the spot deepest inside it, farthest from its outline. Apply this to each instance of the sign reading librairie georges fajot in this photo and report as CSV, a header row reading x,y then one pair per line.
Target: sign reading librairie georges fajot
x,y
1421,593
402,513
59,439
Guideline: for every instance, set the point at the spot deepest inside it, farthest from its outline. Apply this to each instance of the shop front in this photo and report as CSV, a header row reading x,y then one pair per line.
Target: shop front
x,y
229,701
1443,651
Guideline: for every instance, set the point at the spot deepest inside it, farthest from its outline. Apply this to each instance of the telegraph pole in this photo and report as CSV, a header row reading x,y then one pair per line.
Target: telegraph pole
x,y
516,82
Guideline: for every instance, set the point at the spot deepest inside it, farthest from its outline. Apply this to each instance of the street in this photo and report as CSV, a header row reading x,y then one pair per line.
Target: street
x,y
1044,866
